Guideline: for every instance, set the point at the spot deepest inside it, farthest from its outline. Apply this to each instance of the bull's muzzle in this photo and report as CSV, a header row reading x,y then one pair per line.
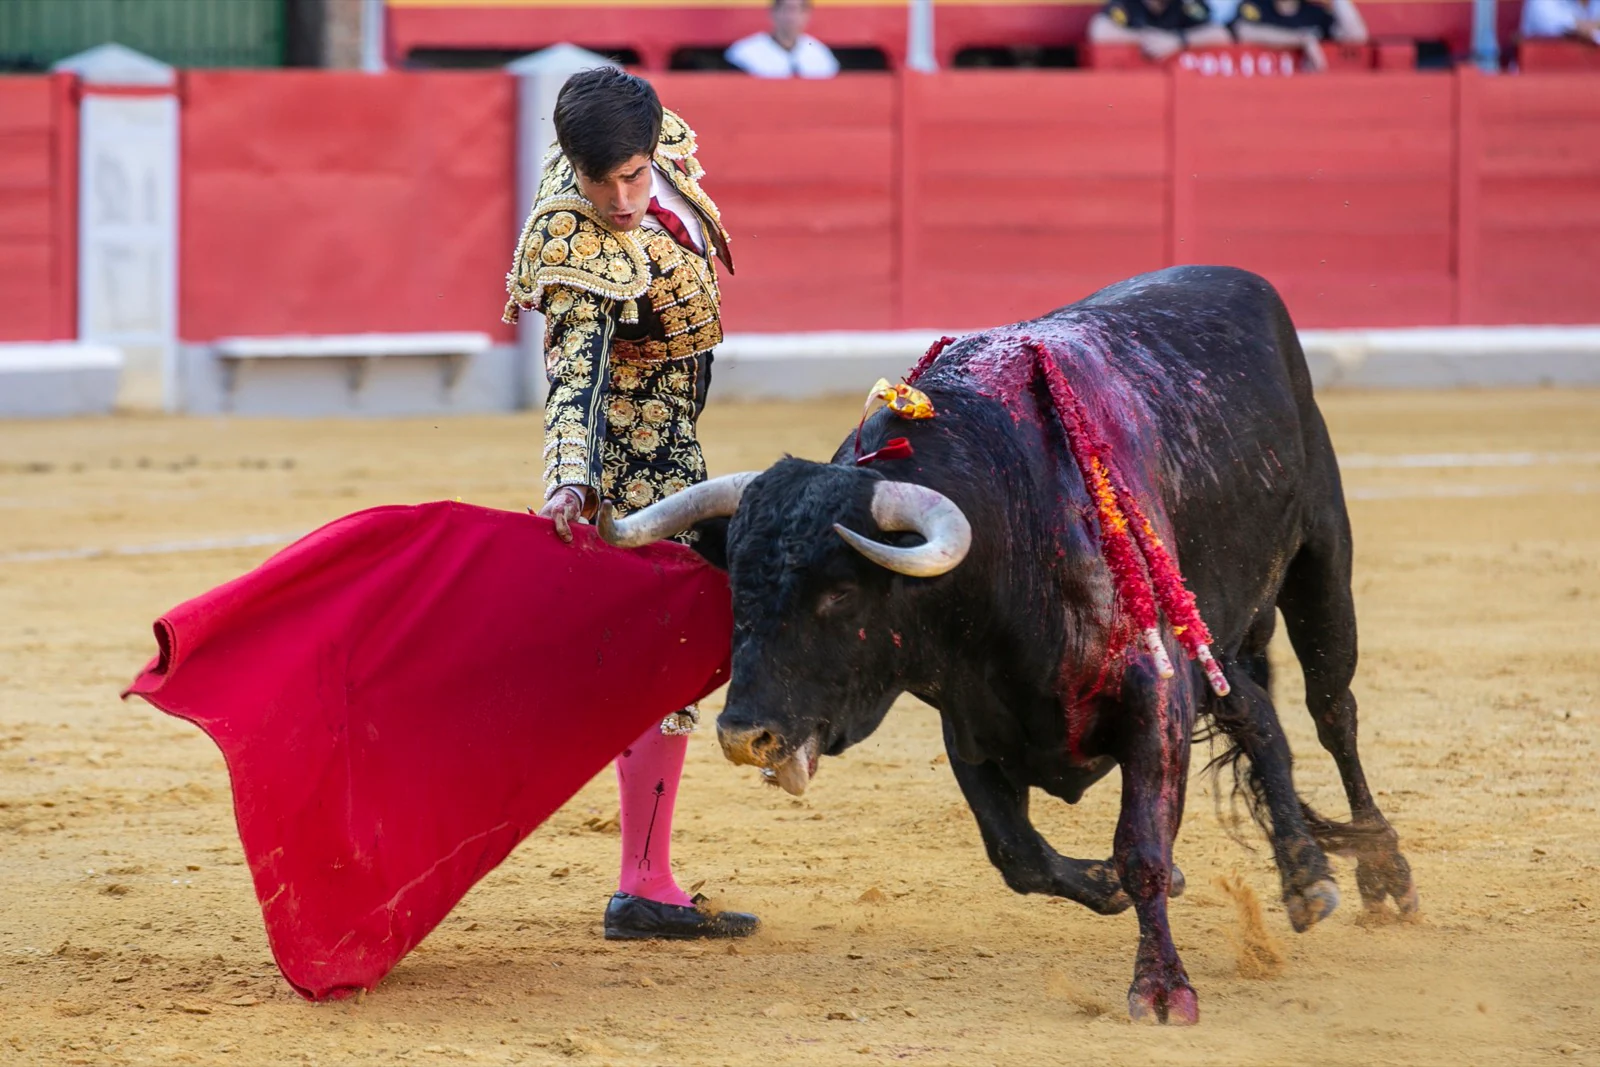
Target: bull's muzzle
x,y
754,745
760,747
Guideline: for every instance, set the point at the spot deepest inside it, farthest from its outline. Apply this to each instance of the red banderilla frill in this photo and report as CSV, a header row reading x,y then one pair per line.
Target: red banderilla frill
x,y
933,353
1143,572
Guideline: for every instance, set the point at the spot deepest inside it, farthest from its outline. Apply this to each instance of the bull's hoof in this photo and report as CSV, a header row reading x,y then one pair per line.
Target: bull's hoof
x,y
1387,876
1409,903
1172,1003
1311,905
1176,887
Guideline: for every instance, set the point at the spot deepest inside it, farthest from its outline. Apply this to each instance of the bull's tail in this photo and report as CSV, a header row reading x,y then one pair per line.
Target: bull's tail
x,y
1223,725
1229,722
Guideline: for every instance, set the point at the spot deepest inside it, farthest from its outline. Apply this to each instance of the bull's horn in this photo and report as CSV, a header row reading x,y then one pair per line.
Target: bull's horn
x,y
904,506
717,498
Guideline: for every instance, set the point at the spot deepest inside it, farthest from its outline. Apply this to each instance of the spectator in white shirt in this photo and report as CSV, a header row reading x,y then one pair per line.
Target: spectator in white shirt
x,y
1562,18
786,51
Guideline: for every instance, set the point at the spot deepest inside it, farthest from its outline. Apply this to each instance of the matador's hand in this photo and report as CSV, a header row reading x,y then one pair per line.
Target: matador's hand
x,y
564,508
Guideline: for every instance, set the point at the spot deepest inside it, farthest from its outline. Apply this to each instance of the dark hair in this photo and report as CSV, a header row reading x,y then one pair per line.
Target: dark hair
x,y
604,117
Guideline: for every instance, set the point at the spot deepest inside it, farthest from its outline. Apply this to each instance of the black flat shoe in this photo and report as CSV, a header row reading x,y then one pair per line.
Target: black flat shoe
x,y
631,918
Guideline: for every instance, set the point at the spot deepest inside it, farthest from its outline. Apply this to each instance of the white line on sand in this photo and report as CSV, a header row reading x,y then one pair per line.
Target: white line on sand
x,y
1358,461
1443,460
160,548
1466,492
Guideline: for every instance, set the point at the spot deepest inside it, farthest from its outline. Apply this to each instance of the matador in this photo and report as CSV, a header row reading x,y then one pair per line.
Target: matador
x,y
619,254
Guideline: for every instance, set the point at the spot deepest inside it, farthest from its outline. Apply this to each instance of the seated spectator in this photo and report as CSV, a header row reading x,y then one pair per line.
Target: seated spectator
x,y
1562,18
1299,24
1159,27
786,51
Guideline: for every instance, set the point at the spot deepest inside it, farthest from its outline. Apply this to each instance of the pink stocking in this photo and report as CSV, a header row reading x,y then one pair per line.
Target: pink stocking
x,y
647,780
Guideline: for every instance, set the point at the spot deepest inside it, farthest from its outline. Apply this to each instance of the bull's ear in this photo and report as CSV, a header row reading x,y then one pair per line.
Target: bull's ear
x,y
712,544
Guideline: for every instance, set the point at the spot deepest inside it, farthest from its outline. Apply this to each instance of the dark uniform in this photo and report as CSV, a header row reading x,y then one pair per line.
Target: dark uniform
x,y
1303,15
630,321
1175,16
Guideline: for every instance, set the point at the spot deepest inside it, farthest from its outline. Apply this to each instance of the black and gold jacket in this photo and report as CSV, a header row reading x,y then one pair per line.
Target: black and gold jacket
x,y
630,321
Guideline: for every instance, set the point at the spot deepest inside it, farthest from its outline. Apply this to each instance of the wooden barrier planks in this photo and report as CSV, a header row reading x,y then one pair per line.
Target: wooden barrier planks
x,y
804,174
38,208
1529,184
329,203
1337,188
1023,191
322,202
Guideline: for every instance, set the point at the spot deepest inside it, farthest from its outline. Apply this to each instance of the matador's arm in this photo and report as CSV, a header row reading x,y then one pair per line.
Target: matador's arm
x,y
578,331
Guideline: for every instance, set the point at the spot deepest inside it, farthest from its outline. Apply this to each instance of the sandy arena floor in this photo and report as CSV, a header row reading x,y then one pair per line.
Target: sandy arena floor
x,y
129,933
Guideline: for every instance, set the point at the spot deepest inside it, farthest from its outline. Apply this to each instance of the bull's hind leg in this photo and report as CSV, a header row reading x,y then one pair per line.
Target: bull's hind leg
x,y
1155,766
1024,858
1319,613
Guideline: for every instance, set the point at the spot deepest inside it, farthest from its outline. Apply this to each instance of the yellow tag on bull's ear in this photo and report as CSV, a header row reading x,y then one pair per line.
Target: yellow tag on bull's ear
x,y
877,397
900,398
911,403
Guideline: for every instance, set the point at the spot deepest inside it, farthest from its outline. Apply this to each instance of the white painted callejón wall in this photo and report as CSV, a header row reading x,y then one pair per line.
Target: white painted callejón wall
x,y
128,218
540,76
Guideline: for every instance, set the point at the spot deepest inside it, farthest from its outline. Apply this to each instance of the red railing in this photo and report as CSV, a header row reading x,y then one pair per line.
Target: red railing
x,y
655,29
1256,61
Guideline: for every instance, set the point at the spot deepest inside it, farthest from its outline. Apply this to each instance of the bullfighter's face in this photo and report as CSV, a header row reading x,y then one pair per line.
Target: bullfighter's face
x,y
623,195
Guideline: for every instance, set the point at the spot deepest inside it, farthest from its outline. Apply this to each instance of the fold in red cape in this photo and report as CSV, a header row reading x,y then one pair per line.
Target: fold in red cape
x,y
403,695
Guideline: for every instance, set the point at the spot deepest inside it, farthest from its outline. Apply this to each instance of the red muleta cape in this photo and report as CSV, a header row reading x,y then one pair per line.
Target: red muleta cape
x,y
405,694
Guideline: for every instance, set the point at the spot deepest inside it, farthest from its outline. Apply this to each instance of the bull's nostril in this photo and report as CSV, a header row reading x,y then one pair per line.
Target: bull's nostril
x,y
748,745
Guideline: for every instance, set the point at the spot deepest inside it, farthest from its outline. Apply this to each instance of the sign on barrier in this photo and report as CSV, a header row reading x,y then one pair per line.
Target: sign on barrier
x,y
1243,62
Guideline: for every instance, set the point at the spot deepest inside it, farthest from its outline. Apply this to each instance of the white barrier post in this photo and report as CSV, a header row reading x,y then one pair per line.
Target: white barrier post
x,y
540,76
128,217
372,36
920,55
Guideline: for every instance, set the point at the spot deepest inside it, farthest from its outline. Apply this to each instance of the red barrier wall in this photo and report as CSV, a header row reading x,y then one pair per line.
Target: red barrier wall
x,y
321,202
326,203
805,176
1530,199
1024,191
38,208
1338,188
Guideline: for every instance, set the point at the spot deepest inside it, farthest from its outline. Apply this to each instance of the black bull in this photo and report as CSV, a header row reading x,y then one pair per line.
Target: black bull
x,y
1197,384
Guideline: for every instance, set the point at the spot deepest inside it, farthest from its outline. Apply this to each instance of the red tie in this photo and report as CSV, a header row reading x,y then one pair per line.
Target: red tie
x,y
672,224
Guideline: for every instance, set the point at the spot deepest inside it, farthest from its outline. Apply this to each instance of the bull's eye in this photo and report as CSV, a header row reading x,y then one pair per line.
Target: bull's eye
x,y
836,600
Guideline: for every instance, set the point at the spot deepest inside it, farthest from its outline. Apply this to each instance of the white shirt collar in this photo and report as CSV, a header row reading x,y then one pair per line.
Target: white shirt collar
x,y
667,195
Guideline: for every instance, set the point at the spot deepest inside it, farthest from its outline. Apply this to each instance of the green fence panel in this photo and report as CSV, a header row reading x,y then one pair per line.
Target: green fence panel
x,y
185,33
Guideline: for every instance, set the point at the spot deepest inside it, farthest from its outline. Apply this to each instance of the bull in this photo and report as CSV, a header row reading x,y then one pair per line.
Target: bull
x,y
970,565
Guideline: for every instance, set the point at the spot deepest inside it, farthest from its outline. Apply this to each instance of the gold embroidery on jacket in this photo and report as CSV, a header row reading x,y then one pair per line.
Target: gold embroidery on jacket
x,y
621,411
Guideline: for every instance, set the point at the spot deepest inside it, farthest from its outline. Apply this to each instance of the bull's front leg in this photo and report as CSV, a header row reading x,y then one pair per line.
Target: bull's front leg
x,y
1024,858
1155,766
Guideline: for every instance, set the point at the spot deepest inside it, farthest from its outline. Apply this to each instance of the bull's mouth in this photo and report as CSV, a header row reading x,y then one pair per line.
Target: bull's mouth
x,y
794,774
